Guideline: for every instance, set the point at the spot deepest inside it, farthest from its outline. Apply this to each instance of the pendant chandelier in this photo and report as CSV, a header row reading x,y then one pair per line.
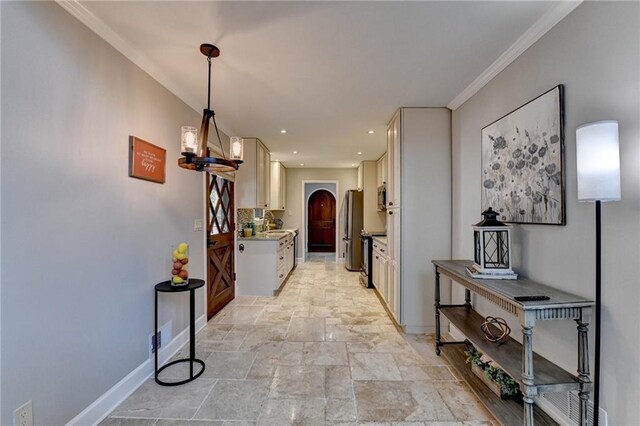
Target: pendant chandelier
x,y
194,144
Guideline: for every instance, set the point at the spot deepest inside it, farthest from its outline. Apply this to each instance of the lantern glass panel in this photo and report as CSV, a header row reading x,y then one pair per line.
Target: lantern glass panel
x,y
496,249
236,148
476,244
189,140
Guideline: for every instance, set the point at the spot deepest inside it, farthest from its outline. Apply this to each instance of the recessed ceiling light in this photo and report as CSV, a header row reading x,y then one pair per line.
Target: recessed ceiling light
x,y
371,132
353,165
295,152
359,152
302,164
283,131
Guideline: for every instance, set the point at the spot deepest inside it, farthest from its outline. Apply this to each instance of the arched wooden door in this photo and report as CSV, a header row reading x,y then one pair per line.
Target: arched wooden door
x,y
321,222
220,251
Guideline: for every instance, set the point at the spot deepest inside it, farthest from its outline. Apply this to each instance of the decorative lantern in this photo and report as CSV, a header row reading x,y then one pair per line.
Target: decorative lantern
x,y
492,245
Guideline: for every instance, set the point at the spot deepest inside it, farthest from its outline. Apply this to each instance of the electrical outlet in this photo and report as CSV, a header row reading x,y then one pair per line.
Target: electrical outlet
x,y
163,337
197,225
23,416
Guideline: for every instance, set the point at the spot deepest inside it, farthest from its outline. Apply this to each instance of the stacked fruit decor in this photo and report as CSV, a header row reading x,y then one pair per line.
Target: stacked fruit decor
x,y
180,258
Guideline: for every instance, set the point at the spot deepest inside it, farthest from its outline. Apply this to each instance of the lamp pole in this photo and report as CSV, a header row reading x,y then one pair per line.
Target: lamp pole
x,y
596,361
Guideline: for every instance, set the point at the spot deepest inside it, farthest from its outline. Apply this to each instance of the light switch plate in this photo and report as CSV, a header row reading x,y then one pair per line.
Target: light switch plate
x,y
23,415
197,225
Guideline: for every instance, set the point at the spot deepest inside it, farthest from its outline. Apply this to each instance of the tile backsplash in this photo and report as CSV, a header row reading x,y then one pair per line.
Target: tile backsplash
x,y
245,216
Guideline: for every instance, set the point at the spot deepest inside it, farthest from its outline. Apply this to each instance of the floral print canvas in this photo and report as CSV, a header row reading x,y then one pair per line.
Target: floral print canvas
x,y
522,159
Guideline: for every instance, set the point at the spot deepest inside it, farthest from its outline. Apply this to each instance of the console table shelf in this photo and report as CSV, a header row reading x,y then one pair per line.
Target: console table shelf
x,y
535,374
509,354
508,412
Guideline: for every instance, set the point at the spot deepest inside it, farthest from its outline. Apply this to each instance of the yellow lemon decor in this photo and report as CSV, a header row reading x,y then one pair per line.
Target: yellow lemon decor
x,y
179,259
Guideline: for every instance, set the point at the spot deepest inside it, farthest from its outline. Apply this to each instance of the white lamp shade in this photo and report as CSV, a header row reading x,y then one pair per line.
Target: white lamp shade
x,y
598,161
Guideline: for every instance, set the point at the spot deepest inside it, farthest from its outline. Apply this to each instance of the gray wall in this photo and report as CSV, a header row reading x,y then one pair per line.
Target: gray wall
x,y
83,243
292,218
594,52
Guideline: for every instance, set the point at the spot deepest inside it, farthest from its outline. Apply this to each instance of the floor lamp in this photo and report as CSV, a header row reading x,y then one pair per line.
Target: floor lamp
x,y
598,164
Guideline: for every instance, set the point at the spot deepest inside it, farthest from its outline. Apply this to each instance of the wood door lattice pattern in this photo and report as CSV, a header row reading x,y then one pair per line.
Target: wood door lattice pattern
x,y
220,212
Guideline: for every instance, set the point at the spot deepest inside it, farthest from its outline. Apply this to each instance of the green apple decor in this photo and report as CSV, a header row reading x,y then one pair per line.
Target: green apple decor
x,y
179,273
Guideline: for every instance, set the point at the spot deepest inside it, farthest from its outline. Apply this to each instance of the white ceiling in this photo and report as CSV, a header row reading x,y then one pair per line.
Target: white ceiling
x,y
327,72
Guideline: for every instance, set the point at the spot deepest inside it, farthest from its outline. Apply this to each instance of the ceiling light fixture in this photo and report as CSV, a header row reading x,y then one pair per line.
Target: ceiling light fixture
x,y
353,165
295,152
302,164
283,131
194,145
371,132
359,152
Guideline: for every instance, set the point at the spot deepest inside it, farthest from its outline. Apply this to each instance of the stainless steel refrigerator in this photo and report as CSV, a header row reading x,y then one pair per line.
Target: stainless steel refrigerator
x,y
353,218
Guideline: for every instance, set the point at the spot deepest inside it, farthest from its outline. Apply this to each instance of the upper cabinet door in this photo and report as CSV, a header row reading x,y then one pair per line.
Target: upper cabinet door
x,y
263,176
393,161
278,186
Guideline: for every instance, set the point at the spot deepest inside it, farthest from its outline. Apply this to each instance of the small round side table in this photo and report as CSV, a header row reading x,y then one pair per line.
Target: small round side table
x,y
166,287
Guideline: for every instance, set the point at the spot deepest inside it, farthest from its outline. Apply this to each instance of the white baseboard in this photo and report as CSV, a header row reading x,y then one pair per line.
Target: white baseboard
x,y
101,407
419,329
456,334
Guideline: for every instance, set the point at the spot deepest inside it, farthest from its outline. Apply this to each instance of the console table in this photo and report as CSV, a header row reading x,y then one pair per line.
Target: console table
x,y
166,287
535,374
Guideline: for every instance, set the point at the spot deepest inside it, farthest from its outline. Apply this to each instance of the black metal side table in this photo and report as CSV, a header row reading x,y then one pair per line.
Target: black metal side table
x,y
166,287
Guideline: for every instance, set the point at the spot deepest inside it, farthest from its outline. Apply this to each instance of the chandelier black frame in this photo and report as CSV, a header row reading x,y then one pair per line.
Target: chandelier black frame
x,y
197,159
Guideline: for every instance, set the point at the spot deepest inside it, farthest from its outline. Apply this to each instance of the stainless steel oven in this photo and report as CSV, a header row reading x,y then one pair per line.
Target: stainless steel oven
x,y
366,275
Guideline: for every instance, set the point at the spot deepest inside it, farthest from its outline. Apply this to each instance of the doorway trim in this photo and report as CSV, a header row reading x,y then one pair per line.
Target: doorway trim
x,y
305,205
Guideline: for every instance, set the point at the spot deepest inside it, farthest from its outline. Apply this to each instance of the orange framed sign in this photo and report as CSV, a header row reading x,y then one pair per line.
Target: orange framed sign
x,y
146,160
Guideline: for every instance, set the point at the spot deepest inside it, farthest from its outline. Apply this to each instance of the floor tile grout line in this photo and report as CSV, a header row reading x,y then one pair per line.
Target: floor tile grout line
x,y
205,399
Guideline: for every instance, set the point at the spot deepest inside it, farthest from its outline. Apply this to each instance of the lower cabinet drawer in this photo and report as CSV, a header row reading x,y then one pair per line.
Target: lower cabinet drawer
x,y
282,258
282,274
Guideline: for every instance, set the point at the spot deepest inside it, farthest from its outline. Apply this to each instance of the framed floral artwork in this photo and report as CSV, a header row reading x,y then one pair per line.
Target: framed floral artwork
x,y
522,162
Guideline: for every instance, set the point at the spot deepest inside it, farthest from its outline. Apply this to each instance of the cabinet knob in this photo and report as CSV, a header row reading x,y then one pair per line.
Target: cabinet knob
x,y
390,213
390,204
281,257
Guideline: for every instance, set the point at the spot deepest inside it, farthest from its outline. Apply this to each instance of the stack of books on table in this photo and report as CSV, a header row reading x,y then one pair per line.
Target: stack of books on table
x,y
474,273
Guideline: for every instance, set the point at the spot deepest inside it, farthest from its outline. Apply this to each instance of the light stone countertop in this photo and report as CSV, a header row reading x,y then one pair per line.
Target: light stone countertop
x,y
273,236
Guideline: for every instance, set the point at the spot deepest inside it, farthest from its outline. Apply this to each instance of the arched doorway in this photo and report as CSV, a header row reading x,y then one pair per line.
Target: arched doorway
x,y
321,222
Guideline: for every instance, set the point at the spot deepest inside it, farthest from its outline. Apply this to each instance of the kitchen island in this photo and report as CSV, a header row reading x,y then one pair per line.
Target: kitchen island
x,y
265,261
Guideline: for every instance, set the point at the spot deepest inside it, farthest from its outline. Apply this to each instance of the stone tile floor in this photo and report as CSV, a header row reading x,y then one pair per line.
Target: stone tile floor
x,y
324,352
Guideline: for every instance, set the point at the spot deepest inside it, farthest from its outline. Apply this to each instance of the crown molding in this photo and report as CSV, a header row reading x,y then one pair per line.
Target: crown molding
x,y
98,26
546,22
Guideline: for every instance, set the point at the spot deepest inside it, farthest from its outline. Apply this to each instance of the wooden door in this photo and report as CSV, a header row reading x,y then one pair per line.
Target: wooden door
x,y
321,222
220,250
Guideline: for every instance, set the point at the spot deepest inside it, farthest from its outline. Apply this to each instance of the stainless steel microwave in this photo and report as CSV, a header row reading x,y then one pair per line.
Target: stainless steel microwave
x,y
382,197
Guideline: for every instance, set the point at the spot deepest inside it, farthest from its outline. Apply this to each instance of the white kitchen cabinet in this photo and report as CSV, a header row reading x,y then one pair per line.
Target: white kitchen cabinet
x,y
252,184
278,186
394,161
418,211
381,170
372,219
263,265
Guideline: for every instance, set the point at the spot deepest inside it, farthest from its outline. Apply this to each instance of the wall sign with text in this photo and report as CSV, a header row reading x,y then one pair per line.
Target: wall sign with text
x,y
146,160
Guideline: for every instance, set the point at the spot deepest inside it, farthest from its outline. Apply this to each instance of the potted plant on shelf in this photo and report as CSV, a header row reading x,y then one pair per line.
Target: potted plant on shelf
x,y
492,375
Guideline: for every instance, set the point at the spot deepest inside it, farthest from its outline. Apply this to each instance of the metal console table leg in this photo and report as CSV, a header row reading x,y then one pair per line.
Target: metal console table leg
x,y
167,288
